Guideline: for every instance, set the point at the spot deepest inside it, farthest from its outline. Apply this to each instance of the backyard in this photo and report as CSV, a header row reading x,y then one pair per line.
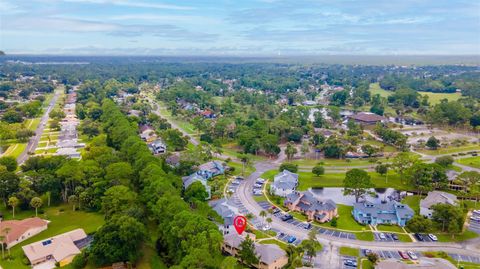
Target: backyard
x,y
62,219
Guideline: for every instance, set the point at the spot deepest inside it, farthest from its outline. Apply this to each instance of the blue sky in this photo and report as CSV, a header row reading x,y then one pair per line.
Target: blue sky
x,y
240,27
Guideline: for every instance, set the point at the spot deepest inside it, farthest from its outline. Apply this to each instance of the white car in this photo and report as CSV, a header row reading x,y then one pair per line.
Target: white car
x,y
382,236
412,255
266,227
261,180
433,237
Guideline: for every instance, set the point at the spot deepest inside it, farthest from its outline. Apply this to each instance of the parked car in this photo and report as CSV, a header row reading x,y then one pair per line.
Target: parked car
x,y
367,252
307,226
291,239
476,212
419,237
404,255
433,237
350,262
287,217
382,236
258,185
412,255
275,211
260,180
266,227
394,236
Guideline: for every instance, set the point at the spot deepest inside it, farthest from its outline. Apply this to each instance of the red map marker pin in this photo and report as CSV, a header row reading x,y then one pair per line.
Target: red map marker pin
x,y
240,223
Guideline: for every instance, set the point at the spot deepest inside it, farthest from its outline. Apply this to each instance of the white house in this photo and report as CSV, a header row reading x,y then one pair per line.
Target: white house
x,y
433,198
284,183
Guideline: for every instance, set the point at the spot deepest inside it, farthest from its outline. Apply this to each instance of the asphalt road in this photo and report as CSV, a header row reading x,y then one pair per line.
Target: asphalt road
x,y
33,142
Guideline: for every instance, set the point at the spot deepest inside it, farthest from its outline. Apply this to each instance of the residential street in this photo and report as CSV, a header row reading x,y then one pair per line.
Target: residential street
x,y
33,142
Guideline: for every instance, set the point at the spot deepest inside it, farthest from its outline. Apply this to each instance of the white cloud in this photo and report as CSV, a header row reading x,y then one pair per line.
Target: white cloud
x,y
129,3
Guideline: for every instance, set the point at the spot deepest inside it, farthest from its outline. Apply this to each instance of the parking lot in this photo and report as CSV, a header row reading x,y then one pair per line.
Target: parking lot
x,y
338,234
464,258
388,254
286,238
388,237
475,225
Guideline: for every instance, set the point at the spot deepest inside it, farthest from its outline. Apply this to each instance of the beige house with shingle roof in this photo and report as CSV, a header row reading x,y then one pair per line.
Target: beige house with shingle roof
x,y
20,230
61,248
434,198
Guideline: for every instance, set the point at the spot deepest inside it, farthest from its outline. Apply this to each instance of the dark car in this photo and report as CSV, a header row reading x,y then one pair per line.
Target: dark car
x,y
287,217
395,237
291,239
419,237
307,226
275,211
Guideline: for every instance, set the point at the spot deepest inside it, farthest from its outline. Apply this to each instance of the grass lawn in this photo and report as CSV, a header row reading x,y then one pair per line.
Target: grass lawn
x,y
345,220
333,162
32,124
460,237
404,238
15,149
309,180
347,251
413,202
365,236
443,255
61,222
435,98
390,228
185,125
471,161
376,89
449,150
235,152
276,242
366,264
238,168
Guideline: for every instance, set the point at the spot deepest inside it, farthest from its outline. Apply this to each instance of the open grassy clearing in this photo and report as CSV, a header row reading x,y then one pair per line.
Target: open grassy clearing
x,y
334,162
345,220
376,89
471,161
413,202
390,228
450,150
435,98
60,222
186,126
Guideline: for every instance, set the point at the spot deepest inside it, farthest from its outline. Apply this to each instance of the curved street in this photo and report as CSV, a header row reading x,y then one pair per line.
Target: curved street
x,y
244,195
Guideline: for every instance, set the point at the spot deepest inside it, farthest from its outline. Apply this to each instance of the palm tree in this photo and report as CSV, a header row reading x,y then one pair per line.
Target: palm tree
x,y
73,199
36,202
263,214
294,258
2,238
6,231
269,221
245,161
13,202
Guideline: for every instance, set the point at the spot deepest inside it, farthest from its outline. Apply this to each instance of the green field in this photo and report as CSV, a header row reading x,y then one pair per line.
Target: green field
x,y
345,220
375,89
309,180
344,163
450,150
60,222
436,98
347,251
390,228
471,161
15,150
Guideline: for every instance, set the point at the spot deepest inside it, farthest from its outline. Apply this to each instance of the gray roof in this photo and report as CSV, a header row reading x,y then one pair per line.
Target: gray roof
x,y
188,180
224,211
438,197
309,202
384,210
269,253
284,185
285,180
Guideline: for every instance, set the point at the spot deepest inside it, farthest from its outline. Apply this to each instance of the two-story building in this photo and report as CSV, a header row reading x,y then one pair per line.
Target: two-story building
x,y
205,172
434,198
315,209
391,212
284,183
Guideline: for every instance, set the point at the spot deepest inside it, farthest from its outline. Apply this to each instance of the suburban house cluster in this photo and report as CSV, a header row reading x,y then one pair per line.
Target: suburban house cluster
x,y
61,248
390,213
205,172
154,143
68,144
434,198
270,256
284,183
206,113
315,209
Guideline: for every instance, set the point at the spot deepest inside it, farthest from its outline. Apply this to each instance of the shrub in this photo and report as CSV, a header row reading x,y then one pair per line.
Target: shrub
x,y
333,222
289,166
